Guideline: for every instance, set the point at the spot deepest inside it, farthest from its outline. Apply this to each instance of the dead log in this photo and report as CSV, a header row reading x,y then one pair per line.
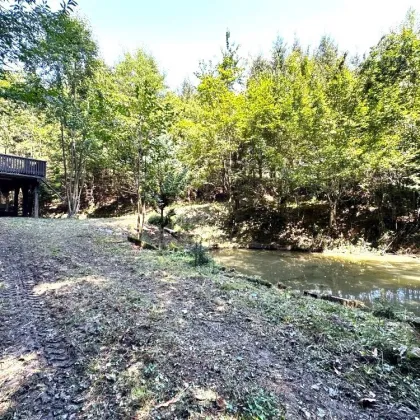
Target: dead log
x,y
307,293
255,280
171,232
350,303
143,244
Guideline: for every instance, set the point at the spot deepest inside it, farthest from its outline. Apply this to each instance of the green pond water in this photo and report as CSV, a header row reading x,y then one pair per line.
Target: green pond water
x,y
365,278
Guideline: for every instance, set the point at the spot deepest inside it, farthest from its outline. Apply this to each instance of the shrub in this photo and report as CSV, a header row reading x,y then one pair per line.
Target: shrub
x,y
154,219
200,255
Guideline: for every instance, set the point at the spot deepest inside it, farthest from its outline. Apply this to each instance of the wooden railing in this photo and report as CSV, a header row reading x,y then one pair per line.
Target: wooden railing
x,y
22,166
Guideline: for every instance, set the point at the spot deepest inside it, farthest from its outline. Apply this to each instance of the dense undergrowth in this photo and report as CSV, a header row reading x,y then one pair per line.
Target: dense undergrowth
x,y
303,228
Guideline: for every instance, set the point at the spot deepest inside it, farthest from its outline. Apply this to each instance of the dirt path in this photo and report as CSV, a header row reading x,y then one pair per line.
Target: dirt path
x,y
91,328
37,371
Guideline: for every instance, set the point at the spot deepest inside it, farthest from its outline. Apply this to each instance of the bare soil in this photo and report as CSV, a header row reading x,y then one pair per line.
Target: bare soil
x,y
93,328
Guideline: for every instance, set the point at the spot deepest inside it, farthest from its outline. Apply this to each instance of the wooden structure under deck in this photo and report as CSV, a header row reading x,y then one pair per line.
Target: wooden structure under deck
x,y
20,175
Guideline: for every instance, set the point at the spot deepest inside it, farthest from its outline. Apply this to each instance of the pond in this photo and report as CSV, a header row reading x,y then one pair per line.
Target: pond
x,y
365,278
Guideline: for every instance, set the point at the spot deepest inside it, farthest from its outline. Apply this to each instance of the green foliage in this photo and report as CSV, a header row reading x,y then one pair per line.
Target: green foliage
x,y
168,185
261,406
200,255
23,25
383,309
154,219
306,122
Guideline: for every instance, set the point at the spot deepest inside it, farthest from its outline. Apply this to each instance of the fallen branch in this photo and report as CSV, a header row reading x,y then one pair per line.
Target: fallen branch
x,y
171,232
174,399
143,244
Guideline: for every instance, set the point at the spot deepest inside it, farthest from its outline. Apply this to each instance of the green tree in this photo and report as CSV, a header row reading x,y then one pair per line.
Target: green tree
x,y
390,85
144,114
61,79
165,188
208,127
23,25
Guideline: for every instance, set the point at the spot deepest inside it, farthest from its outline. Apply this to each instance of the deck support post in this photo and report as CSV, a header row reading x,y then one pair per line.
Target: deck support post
x,y
16,202
7,196
25,193
36,200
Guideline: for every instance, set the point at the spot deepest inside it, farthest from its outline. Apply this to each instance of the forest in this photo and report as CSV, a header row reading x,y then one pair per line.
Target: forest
x,y
309,142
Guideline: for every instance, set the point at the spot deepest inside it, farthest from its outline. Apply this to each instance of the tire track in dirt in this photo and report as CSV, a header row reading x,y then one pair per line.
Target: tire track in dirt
x,y
44,386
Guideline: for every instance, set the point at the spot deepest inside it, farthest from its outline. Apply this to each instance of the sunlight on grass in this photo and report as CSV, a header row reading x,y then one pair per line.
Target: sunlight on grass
x,y
47,287
14,370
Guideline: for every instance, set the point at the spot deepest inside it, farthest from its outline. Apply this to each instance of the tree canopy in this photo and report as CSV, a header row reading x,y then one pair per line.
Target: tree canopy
x,y
313,124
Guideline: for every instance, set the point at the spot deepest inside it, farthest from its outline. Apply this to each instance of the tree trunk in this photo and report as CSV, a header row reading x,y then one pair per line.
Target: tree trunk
x,y
66,175
141,204
161,235
333,213
140,214
379,203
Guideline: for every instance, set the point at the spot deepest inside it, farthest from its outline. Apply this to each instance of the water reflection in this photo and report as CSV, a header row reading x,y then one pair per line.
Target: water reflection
x,y
353,277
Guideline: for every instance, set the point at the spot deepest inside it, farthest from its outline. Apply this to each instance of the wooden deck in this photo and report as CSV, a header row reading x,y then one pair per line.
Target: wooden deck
x,y
20,178
20,166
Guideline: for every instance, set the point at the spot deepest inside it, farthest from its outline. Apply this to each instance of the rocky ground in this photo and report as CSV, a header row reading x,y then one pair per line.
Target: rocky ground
x,y
91,327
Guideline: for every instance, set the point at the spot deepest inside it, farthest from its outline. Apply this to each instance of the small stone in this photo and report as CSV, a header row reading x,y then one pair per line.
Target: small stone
x,y
44,398
306,413
320,413
315,387
332,392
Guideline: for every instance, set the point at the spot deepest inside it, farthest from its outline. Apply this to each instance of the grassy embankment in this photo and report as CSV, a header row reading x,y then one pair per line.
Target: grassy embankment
x,y
156,337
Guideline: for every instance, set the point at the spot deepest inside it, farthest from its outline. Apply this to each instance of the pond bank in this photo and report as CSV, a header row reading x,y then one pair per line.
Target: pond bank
x,y
364,277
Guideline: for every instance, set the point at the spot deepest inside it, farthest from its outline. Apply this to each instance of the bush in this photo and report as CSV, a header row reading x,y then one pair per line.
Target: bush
x,y
154,219
200,255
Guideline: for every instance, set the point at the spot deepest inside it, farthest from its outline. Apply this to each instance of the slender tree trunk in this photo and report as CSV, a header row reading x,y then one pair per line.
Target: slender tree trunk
x,y
141,214
379,203
141,205
333,212
66,175
161,235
